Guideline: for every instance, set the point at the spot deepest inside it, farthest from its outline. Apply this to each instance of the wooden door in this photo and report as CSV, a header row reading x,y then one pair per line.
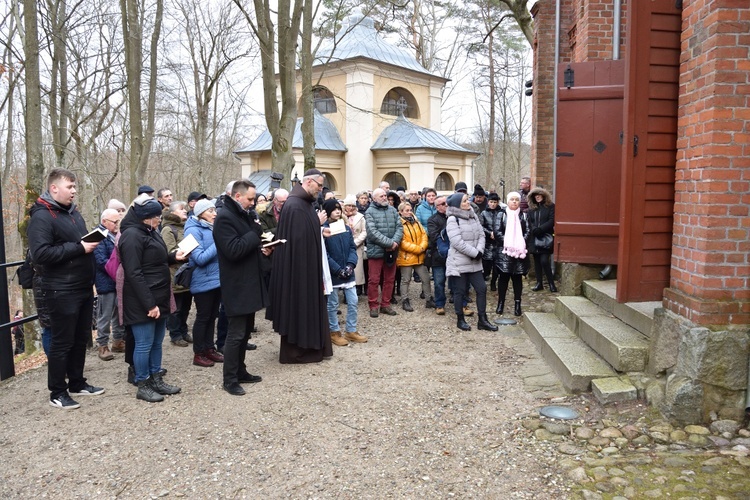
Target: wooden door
x,y
589,155
650,152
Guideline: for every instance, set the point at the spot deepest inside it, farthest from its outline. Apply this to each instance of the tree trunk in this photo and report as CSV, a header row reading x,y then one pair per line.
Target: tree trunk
x,y
308,115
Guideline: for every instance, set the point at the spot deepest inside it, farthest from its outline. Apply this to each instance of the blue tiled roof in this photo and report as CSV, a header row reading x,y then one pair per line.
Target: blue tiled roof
x,y
358,38
403,134
326,137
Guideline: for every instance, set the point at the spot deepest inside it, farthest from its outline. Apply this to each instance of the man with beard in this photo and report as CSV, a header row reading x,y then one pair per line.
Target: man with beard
x,y
66,266
298,305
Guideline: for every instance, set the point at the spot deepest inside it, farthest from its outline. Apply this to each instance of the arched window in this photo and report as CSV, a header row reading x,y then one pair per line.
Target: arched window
x,y
323,101
444,182
395,180
329,181
399,101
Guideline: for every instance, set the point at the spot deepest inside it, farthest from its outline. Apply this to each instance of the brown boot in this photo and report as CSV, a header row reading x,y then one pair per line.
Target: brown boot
x,y
104,353
355,337
337,339
118,346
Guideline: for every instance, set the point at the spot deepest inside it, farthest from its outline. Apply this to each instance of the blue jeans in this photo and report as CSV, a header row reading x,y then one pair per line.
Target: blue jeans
x,y
149,336
438,276
46,339
351,309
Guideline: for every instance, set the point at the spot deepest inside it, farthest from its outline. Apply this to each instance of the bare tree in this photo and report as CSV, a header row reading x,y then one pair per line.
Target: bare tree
x,y
280,123
134,16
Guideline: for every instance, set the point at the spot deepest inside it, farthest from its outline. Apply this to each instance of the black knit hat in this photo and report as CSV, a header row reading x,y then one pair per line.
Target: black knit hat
x,y
461,186
151,208
493,197
330,205
479,191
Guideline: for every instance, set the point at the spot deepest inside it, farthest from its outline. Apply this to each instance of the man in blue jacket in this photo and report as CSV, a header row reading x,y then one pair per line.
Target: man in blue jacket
x,y
65,264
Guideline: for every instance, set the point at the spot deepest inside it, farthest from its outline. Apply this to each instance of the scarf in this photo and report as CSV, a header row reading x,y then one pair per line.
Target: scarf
x,y
514,244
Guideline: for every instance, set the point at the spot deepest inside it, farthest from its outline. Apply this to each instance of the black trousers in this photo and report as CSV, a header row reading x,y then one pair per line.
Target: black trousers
x,y
543,263
70,314
502,285
461,288
240,328
177,323
206,312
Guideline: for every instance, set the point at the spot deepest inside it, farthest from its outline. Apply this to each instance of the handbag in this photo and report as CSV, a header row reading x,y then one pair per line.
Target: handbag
x,y
543,242
184,275
25,273
112,264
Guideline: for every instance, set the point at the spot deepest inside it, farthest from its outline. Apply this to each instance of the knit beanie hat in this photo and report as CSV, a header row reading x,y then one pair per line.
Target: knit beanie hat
x,y
479,191
330,205
461,186
151,208
493,197
455,199
202,205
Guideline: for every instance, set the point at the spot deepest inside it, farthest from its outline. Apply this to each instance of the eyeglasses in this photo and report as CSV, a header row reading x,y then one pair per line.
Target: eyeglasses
x,y
440,204
320,184
112,221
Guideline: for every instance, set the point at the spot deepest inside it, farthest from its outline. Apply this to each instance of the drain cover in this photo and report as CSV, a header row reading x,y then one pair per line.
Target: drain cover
x,y
506,321
560,412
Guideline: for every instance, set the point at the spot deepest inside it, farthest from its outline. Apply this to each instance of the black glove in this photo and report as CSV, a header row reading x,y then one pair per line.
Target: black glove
x,y
349,270
537,231
479,256
341,274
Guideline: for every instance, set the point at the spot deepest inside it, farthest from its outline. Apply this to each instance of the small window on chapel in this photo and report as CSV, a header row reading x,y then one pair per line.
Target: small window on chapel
x,y
399,101
324,101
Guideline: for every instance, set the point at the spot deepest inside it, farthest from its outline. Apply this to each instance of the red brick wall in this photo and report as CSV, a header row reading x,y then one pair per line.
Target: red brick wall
x,y
710,278
590,36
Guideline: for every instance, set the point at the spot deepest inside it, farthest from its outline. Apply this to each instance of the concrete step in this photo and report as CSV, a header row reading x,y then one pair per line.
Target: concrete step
x,y
613,389
570,358
637,315
623,347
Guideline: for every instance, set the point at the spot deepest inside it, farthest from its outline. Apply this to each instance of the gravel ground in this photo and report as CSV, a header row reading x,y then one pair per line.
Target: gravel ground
x,y
422,410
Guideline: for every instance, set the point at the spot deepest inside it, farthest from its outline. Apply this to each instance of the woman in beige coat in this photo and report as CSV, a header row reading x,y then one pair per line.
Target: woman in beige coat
x,y
356,222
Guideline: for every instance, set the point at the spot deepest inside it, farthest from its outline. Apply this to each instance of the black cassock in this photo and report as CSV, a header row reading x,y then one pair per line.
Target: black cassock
x,y
298,305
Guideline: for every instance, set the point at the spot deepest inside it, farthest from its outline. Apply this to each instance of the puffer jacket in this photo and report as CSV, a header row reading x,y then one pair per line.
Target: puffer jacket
x,y
490,220
383,229
172,232
467,242
424,212
503,262
435,226
541,218
413,246
204,258
341,251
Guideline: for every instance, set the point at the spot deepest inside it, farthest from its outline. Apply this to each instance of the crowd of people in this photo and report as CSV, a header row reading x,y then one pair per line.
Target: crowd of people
x,y
295,253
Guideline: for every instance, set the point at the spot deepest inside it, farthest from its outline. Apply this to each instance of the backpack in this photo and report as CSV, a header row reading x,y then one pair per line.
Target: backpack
x,y
443,242
25,273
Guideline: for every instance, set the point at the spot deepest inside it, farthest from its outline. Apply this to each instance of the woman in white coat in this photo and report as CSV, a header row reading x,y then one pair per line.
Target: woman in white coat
x,y
464,262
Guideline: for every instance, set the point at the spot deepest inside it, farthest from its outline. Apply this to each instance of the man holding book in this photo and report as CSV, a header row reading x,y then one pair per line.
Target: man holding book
x,y
65,265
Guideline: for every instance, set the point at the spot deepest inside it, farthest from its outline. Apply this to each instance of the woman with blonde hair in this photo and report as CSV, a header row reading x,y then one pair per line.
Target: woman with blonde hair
x,y
511,262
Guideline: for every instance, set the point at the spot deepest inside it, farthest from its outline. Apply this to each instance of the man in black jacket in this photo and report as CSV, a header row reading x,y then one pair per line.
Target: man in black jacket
x,y
66,268
239,248
435,224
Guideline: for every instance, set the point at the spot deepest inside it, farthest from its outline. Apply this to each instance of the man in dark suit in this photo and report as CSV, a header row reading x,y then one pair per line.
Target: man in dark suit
x,y
239,247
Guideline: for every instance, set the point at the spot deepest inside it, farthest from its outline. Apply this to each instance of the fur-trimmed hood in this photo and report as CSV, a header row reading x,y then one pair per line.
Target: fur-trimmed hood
x,y
532,197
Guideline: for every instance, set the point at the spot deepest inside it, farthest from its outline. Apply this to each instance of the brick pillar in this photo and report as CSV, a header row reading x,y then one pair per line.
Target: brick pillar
x,y
542,143
710,276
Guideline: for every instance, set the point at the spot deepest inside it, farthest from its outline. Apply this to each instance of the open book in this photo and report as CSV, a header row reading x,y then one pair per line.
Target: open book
x,y
188,244
96,235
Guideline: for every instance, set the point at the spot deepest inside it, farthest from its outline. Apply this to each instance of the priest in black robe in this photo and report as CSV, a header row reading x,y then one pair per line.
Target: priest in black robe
x,y
298,303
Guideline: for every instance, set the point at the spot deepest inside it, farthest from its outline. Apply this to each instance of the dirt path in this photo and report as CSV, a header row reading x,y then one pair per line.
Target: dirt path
x,y
419,411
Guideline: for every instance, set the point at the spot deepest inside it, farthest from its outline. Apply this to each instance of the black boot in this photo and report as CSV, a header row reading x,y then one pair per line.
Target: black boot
x,y
484,323
500,306
131,375
462,324
552,287
147,393
406,305
539,286
157,382
517,310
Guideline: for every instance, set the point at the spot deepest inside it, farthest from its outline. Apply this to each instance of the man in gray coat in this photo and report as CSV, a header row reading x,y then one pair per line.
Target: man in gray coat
x,y
384,233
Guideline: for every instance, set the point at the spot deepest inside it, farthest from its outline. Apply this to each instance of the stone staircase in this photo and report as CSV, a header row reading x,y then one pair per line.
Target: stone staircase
x,y
591,341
